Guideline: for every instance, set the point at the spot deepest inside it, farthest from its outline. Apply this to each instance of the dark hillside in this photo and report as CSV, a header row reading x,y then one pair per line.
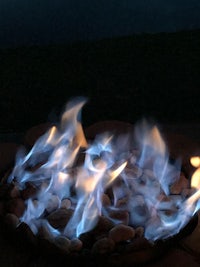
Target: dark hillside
x,y
147,75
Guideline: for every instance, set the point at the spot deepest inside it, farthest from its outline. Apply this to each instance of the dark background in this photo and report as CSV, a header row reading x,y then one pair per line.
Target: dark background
x,y
132,59
54,21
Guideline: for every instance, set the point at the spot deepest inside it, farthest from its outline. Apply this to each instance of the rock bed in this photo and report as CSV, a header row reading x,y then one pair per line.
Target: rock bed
x,y
107,237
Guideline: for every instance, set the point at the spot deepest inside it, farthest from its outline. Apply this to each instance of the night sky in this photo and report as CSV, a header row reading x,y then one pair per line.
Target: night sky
x,y
30,22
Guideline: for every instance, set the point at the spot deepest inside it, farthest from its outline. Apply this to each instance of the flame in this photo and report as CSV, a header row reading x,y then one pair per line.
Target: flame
x,y
52,134
80,137
70,118
195,183
142,179
62,177
195,161
154,139
195,180
114,174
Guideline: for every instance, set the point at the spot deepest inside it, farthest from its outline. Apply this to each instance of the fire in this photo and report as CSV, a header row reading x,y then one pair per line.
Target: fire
x,y
114,174
62,177
82,172
52,135
195,183
195,161
155,140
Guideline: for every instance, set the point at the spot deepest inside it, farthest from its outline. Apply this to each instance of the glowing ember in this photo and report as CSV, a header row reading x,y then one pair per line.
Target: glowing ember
x,y
81,176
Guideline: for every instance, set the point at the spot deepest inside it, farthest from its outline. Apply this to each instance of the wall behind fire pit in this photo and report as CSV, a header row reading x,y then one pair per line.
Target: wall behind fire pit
x,y
151,75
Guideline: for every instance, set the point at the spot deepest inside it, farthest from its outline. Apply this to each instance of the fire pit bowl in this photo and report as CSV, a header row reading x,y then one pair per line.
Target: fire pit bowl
x,y
37,215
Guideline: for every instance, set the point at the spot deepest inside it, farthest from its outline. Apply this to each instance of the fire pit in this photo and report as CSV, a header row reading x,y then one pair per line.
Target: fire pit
x,y
115,198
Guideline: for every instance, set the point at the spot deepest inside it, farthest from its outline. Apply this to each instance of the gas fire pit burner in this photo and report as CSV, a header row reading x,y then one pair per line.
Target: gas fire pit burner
x,y
114,198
